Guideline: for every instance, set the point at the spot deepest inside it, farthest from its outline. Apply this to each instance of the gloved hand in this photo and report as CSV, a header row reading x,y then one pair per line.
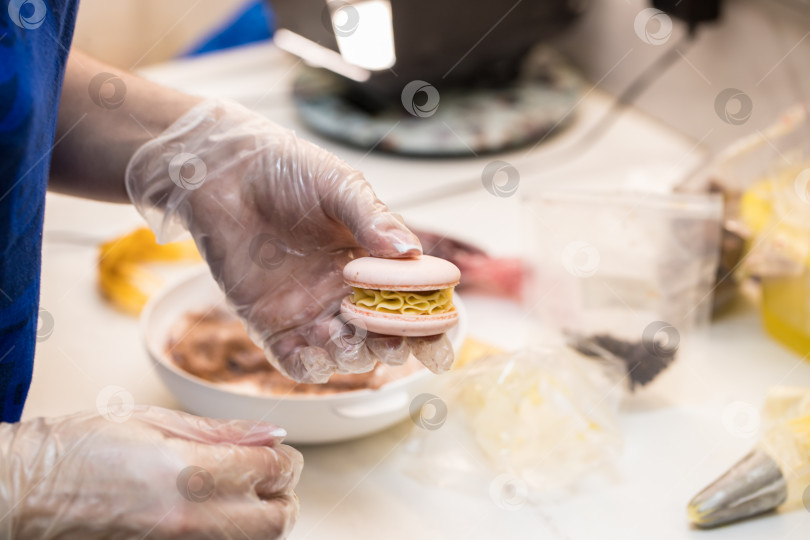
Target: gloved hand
x,y
162,473
276,218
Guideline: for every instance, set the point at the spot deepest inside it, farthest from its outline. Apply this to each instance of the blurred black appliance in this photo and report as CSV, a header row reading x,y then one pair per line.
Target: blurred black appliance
x,y
692,12
448,43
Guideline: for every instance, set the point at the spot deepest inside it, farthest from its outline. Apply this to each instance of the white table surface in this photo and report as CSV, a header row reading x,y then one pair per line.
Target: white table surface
x,y
355,489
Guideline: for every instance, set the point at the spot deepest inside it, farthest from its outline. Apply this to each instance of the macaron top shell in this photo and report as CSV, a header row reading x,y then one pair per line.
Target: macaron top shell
x,y
422,273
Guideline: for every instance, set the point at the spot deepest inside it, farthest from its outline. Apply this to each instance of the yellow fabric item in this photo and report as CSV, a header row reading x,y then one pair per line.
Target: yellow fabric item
x,y
122,276
405,302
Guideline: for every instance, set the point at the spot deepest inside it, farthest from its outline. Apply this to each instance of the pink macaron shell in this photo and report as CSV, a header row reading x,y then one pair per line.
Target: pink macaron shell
x,y
395,324
415,274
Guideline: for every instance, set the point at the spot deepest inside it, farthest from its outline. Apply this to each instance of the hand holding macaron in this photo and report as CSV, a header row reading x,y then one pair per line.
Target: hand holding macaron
x,y
277,219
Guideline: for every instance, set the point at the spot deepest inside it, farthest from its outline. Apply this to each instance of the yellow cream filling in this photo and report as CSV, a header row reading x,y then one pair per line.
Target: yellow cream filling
x,y
405,302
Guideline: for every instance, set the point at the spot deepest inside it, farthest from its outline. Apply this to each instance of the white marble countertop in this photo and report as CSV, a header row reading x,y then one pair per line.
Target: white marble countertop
x,y
355,489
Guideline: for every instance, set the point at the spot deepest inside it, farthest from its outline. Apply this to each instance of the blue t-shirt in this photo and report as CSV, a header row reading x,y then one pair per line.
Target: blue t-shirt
x,y
35,37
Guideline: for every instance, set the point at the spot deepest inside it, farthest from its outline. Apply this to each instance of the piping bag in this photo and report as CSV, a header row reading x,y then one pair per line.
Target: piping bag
x,y
776,470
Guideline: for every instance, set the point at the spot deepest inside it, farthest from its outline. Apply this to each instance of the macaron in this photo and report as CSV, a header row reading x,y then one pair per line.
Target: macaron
x,y
402,297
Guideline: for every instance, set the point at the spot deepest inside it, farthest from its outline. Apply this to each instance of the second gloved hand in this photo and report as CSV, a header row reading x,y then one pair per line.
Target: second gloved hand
x,y
153,473
276,218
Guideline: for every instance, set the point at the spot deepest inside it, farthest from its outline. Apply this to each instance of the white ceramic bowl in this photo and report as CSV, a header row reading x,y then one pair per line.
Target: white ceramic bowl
x,y
308,419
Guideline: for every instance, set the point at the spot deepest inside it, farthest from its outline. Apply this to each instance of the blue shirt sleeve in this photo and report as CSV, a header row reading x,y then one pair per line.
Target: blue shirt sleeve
x,y
35,37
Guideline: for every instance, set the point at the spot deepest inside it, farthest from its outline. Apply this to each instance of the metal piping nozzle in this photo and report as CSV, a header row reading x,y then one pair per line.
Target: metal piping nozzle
x,y
753,486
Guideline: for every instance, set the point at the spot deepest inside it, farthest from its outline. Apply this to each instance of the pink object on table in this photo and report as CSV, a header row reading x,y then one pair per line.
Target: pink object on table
x,y
480,273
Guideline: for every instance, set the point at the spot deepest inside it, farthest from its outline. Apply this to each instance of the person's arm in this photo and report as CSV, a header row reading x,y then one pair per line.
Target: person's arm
x,y
275,217
105,114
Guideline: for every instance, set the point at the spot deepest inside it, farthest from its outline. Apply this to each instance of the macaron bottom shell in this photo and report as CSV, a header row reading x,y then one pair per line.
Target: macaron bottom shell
x,y
396,324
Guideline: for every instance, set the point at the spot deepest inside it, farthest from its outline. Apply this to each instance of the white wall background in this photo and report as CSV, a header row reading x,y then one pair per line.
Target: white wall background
x,y
761,47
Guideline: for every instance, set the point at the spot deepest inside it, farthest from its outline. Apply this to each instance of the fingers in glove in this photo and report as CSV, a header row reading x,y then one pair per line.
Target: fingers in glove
x,y
354,359
271,519
376,229
344,340
209,430
435,352
225,471
301,362
390,350
383,235
247,517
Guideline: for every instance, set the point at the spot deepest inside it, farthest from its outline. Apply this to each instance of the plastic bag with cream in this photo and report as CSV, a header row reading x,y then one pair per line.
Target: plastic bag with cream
x,y
517,425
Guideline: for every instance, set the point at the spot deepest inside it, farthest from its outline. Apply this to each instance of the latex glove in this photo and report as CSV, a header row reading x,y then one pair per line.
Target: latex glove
x,y
159,473
276,218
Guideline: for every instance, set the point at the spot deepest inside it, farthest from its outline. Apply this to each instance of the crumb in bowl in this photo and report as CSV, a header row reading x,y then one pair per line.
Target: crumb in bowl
x,y
214,346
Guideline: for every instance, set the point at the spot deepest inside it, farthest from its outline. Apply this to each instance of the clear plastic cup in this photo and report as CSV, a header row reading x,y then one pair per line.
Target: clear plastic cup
x,y
624,274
